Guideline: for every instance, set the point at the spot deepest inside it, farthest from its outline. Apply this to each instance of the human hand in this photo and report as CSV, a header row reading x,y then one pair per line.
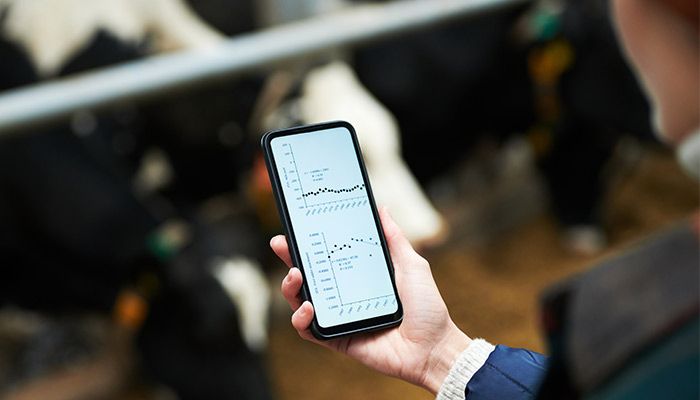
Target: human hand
x,y
422,349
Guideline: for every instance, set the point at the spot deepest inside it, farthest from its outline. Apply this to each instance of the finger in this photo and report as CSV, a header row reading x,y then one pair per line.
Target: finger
x,y
301,320
280,247
399,246
291,284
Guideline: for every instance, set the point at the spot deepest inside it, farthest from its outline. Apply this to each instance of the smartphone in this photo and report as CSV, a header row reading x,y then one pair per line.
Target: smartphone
x,y
332,226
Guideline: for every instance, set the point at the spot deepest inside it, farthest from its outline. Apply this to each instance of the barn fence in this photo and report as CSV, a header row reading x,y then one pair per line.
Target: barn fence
x,y
158,75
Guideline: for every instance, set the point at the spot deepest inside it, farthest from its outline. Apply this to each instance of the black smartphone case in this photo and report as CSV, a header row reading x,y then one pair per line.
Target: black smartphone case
x,y
354,327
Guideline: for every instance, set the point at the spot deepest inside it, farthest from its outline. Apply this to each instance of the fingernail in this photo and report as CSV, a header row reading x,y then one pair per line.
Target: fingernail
x,y
288,278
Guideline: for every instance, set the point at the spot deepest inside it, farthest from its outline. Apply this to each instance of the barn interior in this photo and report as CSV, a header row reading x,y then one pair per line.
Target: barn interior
x,y
511,141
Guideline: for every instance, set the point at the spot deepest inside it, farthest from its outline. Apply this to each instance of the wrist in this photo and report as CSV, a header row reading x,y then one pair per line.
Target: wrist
x,y
443,356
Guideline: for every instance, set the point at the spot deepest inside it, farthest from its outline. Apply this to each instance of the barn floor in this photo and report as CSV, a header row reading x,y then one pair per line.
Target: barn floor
x,y
504,250
491,287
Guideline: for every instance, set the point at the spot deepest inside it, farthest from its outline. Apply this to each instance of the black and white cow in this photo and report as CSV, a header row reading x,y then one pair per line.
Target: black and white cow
x,y
455,85
601,101
78,213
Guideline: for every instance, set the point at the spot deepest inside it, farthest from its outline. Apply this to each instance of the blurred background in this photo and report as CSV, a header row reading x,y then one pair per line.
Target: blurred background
x,y
509,139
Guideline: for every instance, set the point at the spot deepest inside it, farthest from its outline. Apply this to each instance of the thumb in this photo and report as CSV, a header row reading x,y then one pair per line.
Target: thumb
x,y
399,246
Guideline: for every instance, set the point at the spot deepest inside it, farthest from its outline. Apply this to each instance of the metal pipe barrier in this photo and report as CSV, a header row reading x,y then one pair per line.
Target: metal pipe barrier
x,y
156,75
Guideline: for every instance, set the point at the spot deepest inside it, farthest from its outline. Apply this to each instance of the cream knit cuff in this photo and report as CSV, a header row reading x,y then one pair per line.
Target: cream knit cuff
x,y
466,365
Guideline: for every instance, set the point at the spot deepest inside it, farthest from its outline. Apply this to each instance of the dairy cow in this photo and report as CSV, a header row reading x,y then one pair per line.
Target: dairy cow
x,y
455,86
84,204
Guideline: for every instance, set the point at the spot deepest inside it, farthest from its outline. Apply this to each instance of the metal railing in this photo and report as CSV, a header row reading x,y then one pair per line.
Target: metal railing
x,y
156,75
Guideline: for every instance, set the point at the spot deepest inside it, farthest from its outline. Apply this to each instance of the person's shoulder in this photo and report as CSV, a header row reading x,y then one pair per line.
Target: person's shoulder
x,y
619,316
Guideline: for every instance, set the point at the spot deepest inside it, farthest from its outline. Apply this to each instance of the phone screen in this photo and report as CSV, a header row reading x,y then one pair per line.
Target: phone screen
x,y
334,226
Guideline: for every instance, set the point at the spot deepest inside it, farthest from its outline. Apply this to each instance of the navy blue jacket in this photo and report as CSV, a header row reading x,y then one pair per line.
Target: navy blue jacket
x,y
508,374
